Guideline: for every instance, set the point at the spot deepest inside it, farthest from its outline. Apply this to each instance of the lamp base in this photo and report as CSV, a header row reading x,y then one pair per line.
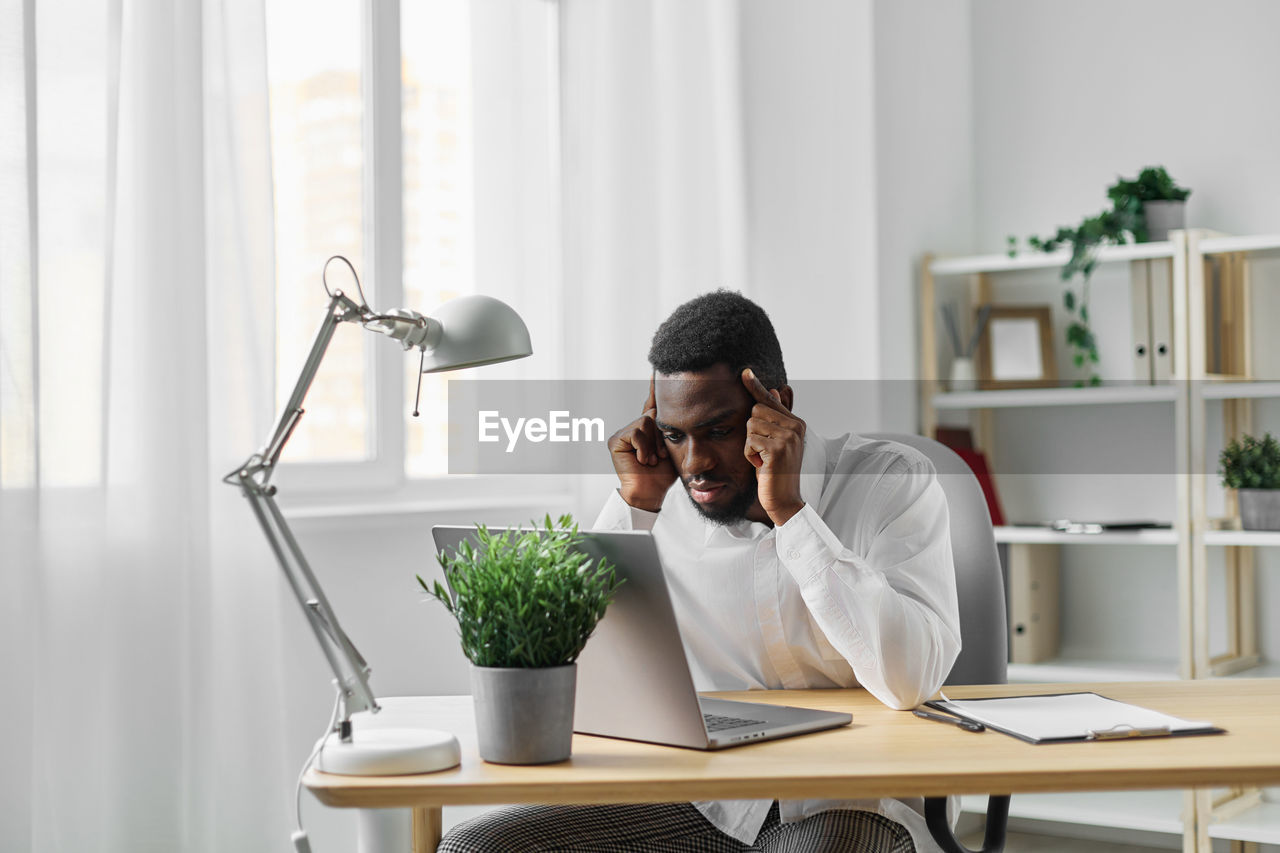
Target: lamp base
x,y
389,752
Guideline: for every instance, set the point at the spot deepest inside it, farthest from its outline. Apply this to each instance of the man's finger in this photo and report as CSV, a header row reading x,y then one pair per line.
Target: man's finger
x,y
762,394
651,404
653,441
757,425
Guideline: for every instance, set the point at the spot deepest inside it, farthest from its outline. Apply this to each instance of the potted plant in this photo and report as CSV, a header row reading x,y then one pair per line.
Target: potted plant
x,y
1136,213
525,602
1252,467
1162,203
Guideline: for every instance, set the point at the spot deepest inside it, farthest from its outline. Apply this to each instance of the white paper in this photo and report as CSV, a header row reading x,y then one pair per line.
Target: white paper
x,y
1068,715
1015,349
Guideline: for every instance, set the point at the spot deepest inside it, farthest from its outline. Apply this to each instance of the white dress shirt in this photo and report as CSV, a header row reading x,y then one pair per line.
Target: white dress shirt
x,y
856,589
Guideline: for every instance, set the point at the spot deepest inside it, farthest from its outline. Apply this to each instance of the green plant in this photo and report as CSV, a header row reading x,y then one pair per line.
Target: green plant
x,y
525,598
1125,220
1250,463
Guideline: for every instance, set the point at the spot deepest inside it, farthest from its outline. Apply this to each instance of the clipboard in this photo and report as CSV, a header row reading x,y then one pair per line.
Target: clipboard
x,y
1071,718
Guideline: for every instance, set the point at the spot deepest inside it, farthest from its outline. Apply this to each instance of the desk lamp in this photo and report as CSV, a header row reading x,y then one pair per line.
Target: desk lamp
x,y
466,332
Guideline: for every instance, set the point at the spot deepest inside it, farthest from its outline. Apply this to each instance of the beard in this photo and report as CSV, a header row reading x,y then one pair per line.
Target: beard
x,y
730,513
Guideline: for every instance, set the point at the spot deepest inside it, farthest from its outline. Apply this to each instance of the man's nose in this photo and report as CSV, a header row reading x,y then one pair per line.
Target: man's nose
x,y
698,459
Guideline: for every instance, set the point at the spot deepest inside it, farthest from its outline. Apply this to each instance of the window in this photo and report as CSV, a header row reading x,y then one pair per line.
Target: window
x,y
403,134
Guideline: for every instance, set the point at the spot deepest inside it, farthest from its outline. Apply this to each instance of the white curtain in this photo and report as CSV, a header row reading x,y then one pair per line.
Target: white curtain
x,y
139,614
655,207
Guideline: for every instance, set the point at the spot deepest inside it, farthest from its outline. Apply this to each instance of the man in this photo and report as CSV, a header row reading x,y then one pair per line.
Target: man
x,y
793,561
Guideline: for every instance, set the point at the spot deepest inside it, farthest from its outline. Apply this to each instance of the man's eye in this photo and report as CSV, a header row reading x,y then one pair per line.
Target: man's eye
x,y
720,433
672,437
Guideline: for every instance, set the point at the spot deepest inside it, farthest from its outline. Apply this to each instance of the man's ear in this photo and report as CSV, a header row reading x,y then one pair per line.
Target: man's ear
x,y
788,397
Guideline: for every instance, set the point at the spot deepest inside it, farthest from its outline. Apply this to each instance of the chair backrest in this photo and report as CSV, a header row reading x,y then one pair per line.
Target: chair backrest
x,y
984,638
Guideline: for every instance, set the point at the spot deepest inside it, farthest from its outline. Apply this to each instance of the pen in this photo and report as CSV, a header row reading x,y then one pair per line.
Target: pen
x,y
967,725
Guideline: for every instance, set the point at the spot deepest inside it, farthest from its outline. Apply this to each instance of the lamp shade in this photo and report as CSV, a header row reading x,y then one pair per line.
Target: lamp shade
x,y
473,330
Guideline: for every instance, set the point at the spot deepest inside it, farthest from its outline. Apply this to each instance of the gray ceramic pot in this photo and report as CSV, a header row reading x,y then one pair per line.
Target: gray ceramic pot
x,y
1259,508
524,716
1163,217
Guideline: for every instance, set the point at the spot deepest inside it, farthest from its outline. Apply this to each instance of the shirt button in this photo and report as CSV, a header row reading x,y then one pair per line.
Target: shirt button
x,y
793,554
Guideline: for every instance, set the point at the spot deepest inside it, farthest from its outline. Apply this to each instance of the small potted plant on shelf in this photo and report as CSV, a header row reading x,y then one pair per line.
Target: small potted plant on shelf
x,y
525,602
1251,466
1142,209
1162,203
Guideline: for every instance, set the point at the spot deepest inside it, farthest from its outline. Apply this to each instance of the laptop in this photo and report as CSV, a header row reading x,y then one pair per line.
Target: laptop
x,y
633,677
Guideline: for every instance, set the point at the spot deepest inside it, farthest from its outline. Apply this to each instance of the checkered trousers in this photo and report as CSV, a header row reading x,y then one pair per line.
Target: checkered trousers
x,y
667,828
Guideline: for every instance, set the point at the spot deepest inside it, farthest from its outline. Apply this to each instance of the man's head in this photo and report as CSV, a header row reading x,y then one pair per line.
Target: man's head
x,y
719,328
699,354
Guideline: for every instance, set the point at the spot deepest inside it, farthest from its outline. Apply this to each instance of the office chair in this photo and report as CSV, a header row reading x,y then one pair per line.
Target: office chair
x,y
984,638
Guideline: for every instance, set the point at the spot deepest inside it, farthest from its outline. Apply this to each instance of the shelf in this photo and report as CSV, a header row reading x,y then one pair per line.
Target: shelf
x,y
1260,824
1029,535
1239,390
1084,670
1148,811
1266,669
1254,538
1034,397
1248,243
1032,260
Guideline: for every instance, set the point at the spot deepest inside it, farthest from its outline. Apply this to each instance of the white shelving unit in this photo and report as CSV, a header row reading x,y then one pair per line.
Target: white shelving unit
x,y
1260,825
979,264
1146,811
1204,267
1078,670
1046,536
1240,390
1242,538
1027,398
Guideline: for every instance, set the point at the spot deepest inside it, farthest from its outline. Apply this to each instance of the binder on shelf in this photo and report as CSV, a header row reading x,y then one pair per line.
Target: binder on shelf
x,y
977,462
1068,717
1160,279
1140,294
1033,590
1151,300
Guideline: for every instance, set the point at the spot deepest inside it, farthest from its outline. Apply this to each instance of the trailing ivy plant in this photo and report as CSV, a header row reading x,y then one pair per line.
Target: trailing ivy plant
x,y
1250,463
525,598
1123,222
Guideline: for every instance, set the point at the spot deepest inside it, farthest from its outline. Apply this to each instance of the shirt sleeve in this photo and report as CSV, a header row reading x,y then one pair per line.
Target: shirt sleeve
x,y
617,514
890,609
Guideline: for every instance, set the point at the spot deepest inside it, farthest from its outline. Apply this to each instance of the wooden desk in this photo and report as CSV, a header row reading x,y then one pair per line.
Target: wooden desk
x,y
883,753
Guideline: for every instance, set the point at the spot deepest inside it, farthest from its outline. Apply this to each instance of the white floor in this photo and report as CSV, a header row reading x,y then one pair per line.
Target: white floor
x,y
1023,843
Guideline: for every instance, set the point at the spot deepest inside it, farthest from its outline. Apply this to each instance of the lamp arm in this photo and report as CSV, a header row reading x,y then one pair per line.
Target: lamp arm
x,y
351,672
342,309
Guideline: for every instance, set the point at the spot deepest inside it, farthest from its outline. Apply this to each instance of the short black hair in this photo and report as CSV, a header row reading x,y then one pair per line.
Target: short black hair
x,y
722,327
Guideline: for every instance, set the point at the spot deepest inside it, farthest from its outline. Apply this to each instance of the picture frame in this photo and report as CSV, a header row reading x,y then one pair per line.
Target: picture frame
x,y
1016,348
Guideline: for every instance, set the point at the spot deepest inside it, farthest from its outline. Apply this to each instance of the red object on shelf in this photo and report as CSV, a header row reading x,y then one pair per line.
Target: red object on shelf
x,y
956,438
977,462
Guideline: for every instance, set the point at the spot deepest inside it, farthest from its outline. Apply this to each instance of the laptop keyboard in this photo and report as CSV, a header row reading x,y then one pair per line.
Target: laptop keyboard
x,y
717,723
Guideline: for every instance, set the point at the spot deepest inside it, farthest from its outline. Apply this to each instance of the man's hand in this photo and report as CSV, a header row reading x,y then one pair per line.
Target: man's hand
x,y
645,472
775,445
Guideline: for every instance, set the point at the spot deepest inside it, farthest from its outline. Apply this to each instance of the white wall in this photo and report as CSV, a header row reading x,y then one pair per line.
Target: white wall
x,y
809,129
924,177
1065,97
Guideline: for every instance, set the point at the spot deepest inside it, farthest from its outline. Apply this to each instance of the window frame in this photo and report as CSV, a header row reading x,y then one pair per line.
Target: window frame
x,y
380,482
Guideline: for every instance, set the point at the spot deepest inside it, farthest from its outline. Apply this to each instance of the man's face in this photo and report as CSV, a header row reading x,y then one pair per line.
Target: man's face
x,y
703,418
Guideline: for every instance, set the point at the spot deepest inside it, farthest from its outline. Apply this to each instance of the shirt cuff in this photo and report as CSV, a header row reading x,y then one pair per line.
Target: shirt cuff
x,y
617,514
806,545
